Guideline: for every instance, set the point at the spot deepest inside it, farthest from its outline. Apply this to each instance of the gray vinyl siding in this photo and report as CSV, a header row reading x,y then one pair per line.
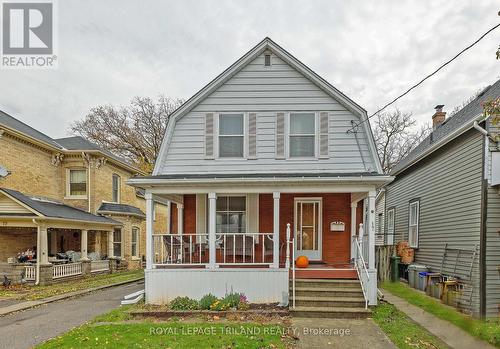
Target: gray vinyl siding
x,y
448,184
266,91
380,238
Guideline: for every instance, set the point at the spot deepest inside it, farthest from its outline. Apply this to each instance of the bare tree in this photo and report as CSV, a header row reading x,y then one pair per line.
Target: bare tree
x,y
396,135
134,132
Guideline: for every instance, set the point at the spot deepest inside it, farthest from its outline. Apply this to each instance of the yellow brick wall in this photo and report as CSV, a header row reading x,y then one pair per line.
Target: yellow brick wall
x,y
14,240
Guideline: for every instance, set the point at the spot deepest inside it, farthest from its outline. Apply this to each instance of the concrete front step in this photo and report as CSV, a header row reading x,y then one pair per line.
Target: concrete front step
x,y
323,283
330,302
328,291
337,313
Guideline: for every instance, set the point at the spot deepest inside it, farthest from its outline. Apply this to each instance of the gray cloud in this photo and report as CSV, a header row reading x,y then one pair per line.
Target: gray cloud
x,y
111,51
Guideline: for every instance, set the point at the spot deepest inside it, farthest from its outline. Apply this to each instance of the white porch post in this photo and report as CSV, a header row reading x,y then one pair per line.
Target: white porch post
x,y
149,230
180,219
44,251
212,202
84,244
110,244
354,206
276,230
371,229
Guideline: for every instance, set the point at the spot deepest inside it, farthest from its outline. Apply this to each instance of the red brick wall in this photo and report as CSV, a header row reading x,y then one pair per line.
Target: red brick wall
x,y
336,207
189,214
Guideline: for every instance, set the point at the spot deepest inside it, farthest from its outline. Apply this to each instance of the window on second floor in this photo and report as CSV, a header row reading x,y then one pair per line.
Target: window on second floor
x,y
302,135
77,186
413,223
116,188
231,135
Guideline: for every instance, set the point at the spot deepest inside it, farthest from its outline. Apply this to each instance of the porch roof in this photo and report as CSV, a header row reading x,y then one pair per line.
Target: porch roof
x,y
264,175
48,208
120,209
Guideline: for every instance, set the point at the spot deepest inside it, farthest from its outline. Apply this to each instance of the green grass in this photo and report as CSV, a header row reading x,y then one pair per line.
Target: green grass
x,y
485,330
402,331
25,292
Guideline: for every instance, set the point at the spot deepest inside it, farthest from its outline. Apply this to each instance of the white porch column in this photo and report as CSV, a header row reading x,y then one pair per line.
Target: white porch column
x,y
371,229
180,219
276,230
212,202
354,206
110,244
149,230
42,253
84,244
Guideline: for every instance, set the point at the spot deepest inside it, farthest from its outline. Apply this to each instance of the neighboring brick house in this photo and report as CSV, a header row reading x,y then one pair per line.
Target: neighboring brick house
x,y
86,189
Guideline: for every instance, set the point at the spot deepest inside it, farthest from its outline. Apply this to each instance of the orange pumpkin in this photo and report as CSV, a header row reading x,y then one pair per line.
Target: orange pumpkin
x,y
302,262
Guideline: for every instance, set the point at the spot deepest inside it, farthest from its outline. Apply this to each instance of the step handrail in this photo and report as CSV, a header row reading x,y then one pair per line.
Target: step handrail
x,y
359,263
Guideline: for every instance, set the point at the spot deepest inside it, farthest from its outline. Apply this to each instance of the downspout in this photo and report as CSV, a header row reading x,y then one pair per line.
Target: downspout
x,y
483,227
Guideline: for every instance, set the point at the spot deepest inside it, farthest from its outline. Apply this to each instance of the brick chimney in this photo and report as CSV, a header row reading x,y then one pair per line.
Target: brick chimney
x,y
439,116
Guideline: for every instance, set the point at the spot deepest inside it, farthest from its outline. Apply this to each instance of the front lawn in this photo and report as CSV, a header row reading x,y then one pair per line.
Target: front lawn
x,y
25,292
485,330
115,330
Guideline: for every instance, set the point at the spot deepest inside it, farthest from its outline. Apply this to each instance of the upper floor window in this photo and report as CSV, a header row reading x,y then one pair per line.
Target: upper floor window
x,y
302,135
413,223
116,188
231,214
231,135
77,183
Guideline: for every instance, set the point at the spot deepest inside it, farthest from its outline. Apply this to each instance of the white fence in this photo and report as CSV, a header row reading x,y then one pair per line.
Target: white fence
x,y
99,266
186,249
30,271
244,248
63,270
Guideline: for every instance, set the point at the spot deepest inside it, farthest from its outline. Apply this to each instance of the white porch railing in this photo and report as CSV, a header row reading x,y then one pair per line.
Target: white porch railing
x,y
244,248
64,270
99,266
361,269
185,249
30,272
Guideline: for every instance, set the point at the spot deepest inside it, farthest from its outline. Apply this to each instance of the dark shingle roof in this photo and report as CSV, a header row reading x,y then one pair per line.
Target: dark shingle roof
x,y
53,209
21,127
465,115
80,143
107,207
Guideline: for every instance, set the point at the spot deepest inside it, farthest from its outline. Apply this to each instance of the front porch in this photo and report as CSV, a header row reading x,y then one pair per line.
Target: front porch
x,y
237,237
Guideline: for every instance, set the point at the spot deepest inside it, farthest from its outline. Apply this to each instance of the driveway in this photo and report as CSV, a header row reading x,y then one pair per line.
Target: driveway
x,y
339,333
31,327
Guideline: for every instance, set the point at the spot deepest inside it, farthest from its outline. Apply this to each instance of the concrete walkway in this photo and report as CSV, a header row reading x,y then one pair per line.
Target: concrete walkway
x,y
339,333
28,328
452,335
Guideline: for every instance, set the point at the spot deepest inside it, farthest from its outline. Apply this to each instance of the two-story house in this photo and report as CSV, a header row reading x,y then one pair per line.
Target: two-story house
x,y
266,163
445,202
60,195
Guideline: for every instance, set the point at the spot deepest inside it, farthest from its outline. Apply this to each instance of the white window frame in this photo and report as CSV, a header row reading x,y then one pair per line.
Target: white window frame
x,y
270,60
118,194
289,135
415,225
68,183
246,208
137,231
118,242
244,135
391,225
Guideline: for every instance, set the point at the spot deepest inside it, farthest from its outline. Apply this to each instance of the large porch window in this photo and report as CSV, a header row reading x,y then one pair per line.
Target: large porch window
x,y
231,214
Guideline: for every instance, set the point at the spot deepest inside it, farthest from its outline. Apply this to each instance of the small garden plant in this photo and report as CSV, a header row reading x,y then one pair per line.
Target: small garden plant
x,y
231,301
206,301
184,303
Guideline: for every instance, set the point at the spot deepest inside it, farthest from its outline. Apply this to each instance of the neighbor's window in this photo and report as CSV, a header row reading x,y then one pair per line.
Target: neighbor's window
x,y
77,182
135,242
390,226
116,188
302,135
117,243
413,223
380,221
267,60
231,136
231,214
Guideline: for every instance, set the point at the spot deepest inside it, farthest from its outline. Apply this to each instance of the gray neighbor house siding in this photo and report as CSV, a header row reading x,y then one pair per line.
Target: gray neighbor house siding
x,y
459,203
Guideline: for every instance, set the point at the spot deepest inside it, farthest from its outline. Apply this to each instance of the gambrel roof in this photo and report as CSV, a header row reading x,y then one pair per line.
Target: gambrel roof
x,y
267,45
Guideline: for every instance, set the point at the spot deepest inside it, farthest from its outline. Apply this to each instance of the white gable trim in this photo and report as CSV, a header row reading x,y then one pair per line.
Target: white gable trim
x,y
267,44
29,208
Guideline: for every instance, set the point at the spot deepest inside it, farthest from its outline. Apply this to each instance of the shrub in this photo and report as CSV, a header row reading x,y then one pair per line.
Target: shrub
x,y
243,303
184,303
232,299
207,301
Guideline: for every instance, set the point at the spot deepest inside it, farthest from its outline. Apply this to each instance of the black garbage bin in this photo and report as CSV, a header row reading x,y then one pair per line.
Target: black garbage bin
x,y
395,268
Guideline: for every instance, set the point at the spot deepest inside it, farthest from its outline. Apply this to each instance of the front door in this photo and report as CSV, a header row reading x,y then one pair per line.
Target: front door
x,y
308,227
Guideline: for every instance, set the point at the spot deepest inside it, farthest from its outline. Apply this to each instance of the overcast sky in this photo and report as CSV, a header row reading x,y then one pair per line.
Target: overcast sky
x,y
111,51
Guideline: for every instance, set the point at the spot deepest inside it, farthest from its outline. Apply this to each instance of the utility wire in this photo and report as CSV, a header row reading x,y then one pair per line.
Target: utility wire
x,y
427,77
